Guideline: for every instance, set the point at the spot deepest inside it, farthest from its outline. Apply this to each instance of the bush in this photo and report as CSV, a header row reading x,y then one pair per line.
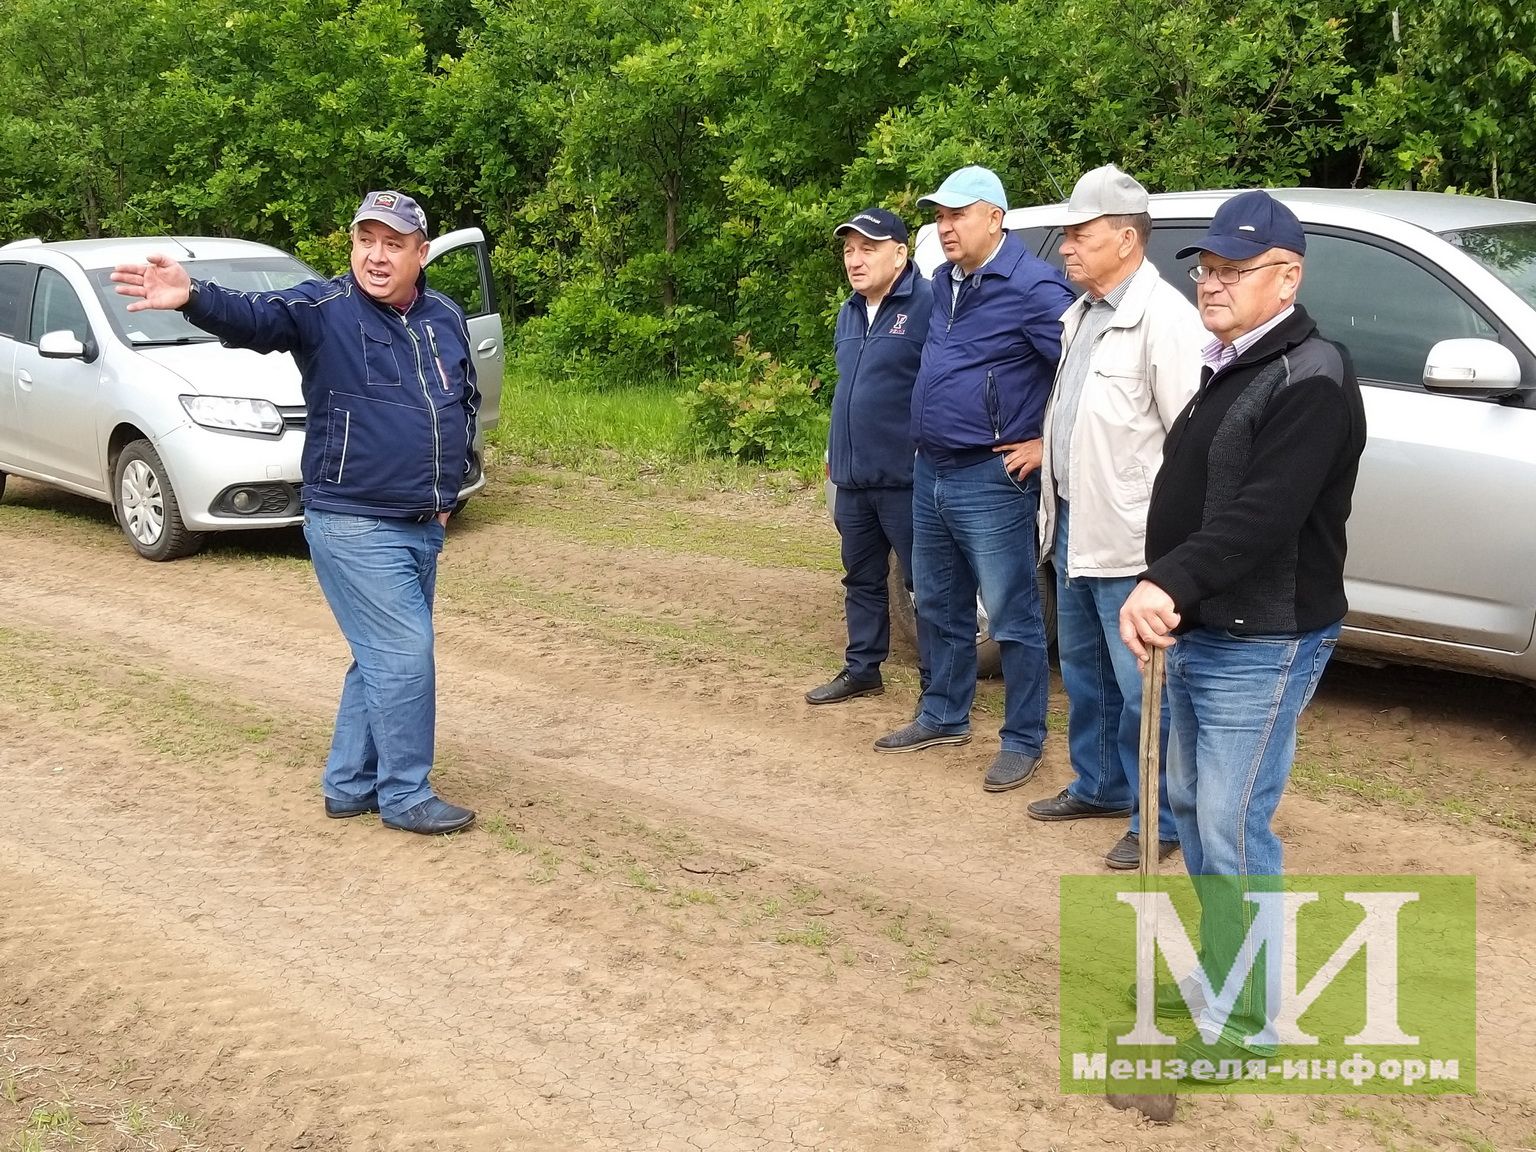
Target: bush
x,y
761,411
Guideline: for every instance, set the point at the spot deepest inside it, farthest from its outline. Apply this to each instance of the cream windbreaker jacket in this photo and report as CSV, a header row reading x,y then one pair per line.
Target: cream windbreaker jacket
x,y
1141,373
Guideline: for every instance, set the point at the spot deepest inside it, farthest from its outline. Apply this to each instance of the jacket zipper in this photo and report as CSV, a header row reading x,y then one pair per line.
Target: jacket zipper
x,y
994,409
426,394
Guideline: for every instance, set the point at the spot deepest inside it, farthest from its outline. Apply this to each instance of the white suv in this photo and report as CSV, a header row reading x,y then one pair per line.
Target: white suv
x,y
180,434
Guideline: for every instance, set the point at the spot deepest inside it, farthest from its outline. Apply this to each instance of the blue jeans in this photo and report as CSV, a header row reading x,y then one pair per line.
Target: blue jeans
x,y
1234,702
973,528
873,523
1103,692
379,576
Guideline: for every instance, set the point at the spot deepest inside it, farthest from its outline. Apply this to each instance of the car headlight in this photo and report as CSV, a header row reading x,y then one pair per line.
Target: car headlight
x,y
235,414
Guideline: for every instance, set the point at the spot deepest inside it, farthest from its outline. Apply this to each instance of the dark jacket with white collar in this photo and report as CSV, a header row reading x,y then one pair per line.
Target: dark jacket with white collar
x,y
990,358
870,442
390,396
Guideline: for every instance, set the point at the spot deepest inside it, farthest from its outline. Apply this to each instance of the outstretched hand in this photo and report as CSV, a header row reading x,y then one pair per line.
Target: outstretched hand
x,y
160,283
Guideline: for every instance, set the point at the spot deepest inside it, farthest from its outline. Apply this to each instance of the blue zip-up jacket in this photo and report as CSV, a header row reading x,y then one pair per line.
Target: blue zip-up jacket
x,y
390,396
990,359
870,443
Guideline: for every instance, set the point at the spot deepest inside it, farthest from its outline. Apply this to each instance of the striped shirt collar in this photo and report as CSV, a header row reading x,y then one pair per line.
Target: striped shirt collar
x,y
1217,355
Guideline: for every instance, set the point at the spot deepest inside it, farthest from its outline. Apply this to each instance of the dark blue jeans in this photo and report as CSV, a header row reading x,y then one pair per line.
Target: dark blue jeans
x,y
1103,691
873,523
974,529
379,577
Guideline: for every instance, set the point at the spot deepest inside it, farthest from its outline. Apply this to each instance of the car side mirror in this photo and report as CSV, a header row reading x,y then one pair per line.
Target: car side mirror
x,y
62,345
1471,367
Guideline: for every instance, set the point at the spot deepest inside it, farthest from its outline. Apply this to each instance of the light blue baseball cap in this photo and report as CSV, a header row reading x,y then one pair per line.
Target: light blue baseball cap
x,y
965,186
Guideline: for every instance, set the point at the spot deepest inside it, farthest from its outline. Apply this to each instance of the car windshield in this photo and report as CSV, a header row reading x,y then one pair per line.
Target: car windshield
x,y
1506,250
154,326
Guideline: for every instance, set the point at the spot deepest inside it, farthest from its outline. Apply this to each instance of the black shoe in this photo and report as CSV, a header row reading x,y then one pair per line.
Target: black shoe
x,y
346,809
1126,855
1222,1055
1009,770
843,687
914,737
432,817
1069,807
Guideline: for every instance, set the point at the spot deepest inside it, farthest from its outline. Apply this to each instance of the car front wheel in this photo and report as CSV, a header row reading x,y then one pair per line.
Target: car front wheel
x,y
146,507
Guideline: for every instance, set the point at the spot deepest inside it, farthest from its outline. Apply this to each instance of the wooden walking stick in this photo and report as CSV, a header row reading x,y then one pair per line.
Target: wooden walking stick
x,y
1156,1106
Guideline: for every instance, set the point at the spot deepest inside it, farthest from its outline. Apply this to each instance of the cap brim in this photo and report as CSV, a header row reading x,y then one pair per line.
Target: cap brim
x,y
1081,217
386,219
1227,247
866,233
947,200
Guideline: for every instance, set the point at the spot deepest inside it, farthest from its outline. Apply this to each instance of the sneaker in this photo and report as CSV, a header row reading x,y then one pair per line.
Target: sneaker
x,y
843,687
1126,855
915,737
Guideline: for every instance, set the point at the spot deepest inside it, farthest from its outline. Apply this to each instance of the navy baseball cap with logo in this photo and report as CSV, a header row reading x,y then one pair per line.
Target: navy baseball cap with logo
x,y
395,209
875,224
1248,225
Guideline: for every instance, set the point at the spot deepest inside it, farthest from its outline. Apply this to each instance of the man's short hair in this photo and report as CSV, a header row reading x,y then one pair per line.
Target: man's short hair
x,y
1141,221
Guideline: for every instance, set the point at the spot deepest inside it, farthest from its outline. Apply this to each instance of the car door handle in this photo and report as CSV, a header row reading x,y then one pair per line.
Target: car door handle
x,y
24,378
485,347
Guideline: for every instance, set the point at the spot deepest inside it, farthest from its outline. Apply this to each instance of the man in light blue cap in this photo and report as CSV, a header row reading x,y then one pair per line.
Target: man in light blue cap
x,y
977,409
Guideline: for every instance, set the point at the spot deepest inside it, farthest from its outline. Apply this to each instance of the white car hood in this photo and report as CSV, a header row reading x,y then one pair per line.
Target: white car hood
x,y
211,369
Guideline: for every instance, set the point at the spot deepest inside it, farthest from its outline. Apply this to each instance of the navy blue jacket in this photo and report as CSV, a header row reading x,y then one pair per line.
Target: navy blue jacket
x,y
390,397
870,443
989,363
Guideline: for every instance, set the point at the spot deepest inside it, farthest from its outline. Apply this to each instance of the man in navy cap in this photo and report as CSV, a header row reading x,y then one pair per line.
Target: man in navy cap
x,y
390,397
1244,585
879,343
977,408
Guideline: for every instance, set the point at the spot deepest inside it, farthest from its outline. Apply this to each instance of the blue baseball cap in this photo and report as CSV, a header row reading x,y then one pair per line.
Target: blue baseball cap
x,y
395,209
875,224
965,186
1248,225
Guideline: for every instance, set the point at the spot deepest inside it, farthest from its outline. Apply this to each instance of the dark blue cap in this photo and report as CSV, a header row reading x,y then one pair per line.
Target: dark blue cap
x,y
876,224
1247,225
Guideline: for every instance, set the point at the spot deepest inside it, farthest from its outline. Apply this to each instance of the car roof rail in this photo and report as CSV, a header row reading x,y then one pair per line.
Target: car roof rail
x,y
29,242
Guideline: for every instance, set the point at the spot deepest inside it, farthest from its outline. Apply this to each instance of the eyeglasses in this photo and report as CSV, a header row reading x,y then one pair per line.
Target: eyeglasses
x,y
1229,275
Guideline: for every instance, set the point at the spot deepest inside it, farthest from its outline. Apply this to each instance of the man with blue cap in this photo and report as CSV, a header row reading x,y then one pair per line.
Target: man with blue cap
x,y
1244,585
977,408
878,344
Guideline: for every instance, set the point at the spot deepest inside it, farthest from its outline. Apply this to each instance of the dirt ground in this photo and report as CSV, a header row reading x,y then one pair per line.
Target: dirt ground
x,y
695,913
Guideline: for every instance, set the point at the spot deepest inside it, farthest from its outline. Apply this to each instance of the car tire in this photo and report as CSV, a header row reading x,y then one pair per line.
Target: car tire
x,y
146,507
989,661
2,485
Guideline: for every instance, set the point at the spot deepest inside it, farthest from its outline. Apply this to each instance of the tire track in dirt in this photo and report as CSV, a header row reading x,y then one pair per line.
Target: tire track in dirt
x,y
768,775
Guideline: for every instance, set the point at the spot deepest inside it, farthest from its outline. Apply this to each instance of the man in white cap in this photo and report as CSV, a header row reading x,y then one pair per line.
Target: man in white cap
x,y
1130,362
390,400
987,368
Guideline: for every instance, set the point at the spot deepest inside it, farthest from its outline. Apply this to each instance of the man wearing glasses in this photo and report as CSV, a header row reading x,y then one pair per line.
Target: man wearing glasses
x,y
1244,583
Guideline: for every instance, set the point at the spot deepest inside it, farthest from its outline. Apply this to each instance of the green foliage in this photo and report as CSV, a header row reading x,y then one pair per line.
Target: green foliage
x,y
761,411
659,179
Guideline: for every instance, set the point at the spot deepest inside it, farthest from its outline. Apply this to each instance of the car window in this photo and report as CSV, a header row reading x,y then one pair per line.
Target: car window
x,y
1385,308
1035,240
56,308
456,275
1167,239
15,289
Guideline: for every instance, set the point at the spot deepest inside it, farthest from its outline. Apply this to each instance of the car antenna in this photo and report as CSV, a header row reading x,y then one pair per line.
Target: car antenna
x,y
139,212
1030,140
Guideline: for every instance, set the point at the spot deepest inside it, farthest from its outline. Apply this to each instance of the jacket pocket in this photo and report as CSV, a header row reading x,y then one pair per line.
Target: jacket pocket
x,y
337,433
383,451
380,367
994,409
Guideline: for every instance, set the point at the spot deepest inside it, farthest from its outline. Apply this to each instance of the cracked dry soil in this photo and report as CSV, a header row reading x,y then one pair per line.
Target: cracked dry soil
x,y
695,913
